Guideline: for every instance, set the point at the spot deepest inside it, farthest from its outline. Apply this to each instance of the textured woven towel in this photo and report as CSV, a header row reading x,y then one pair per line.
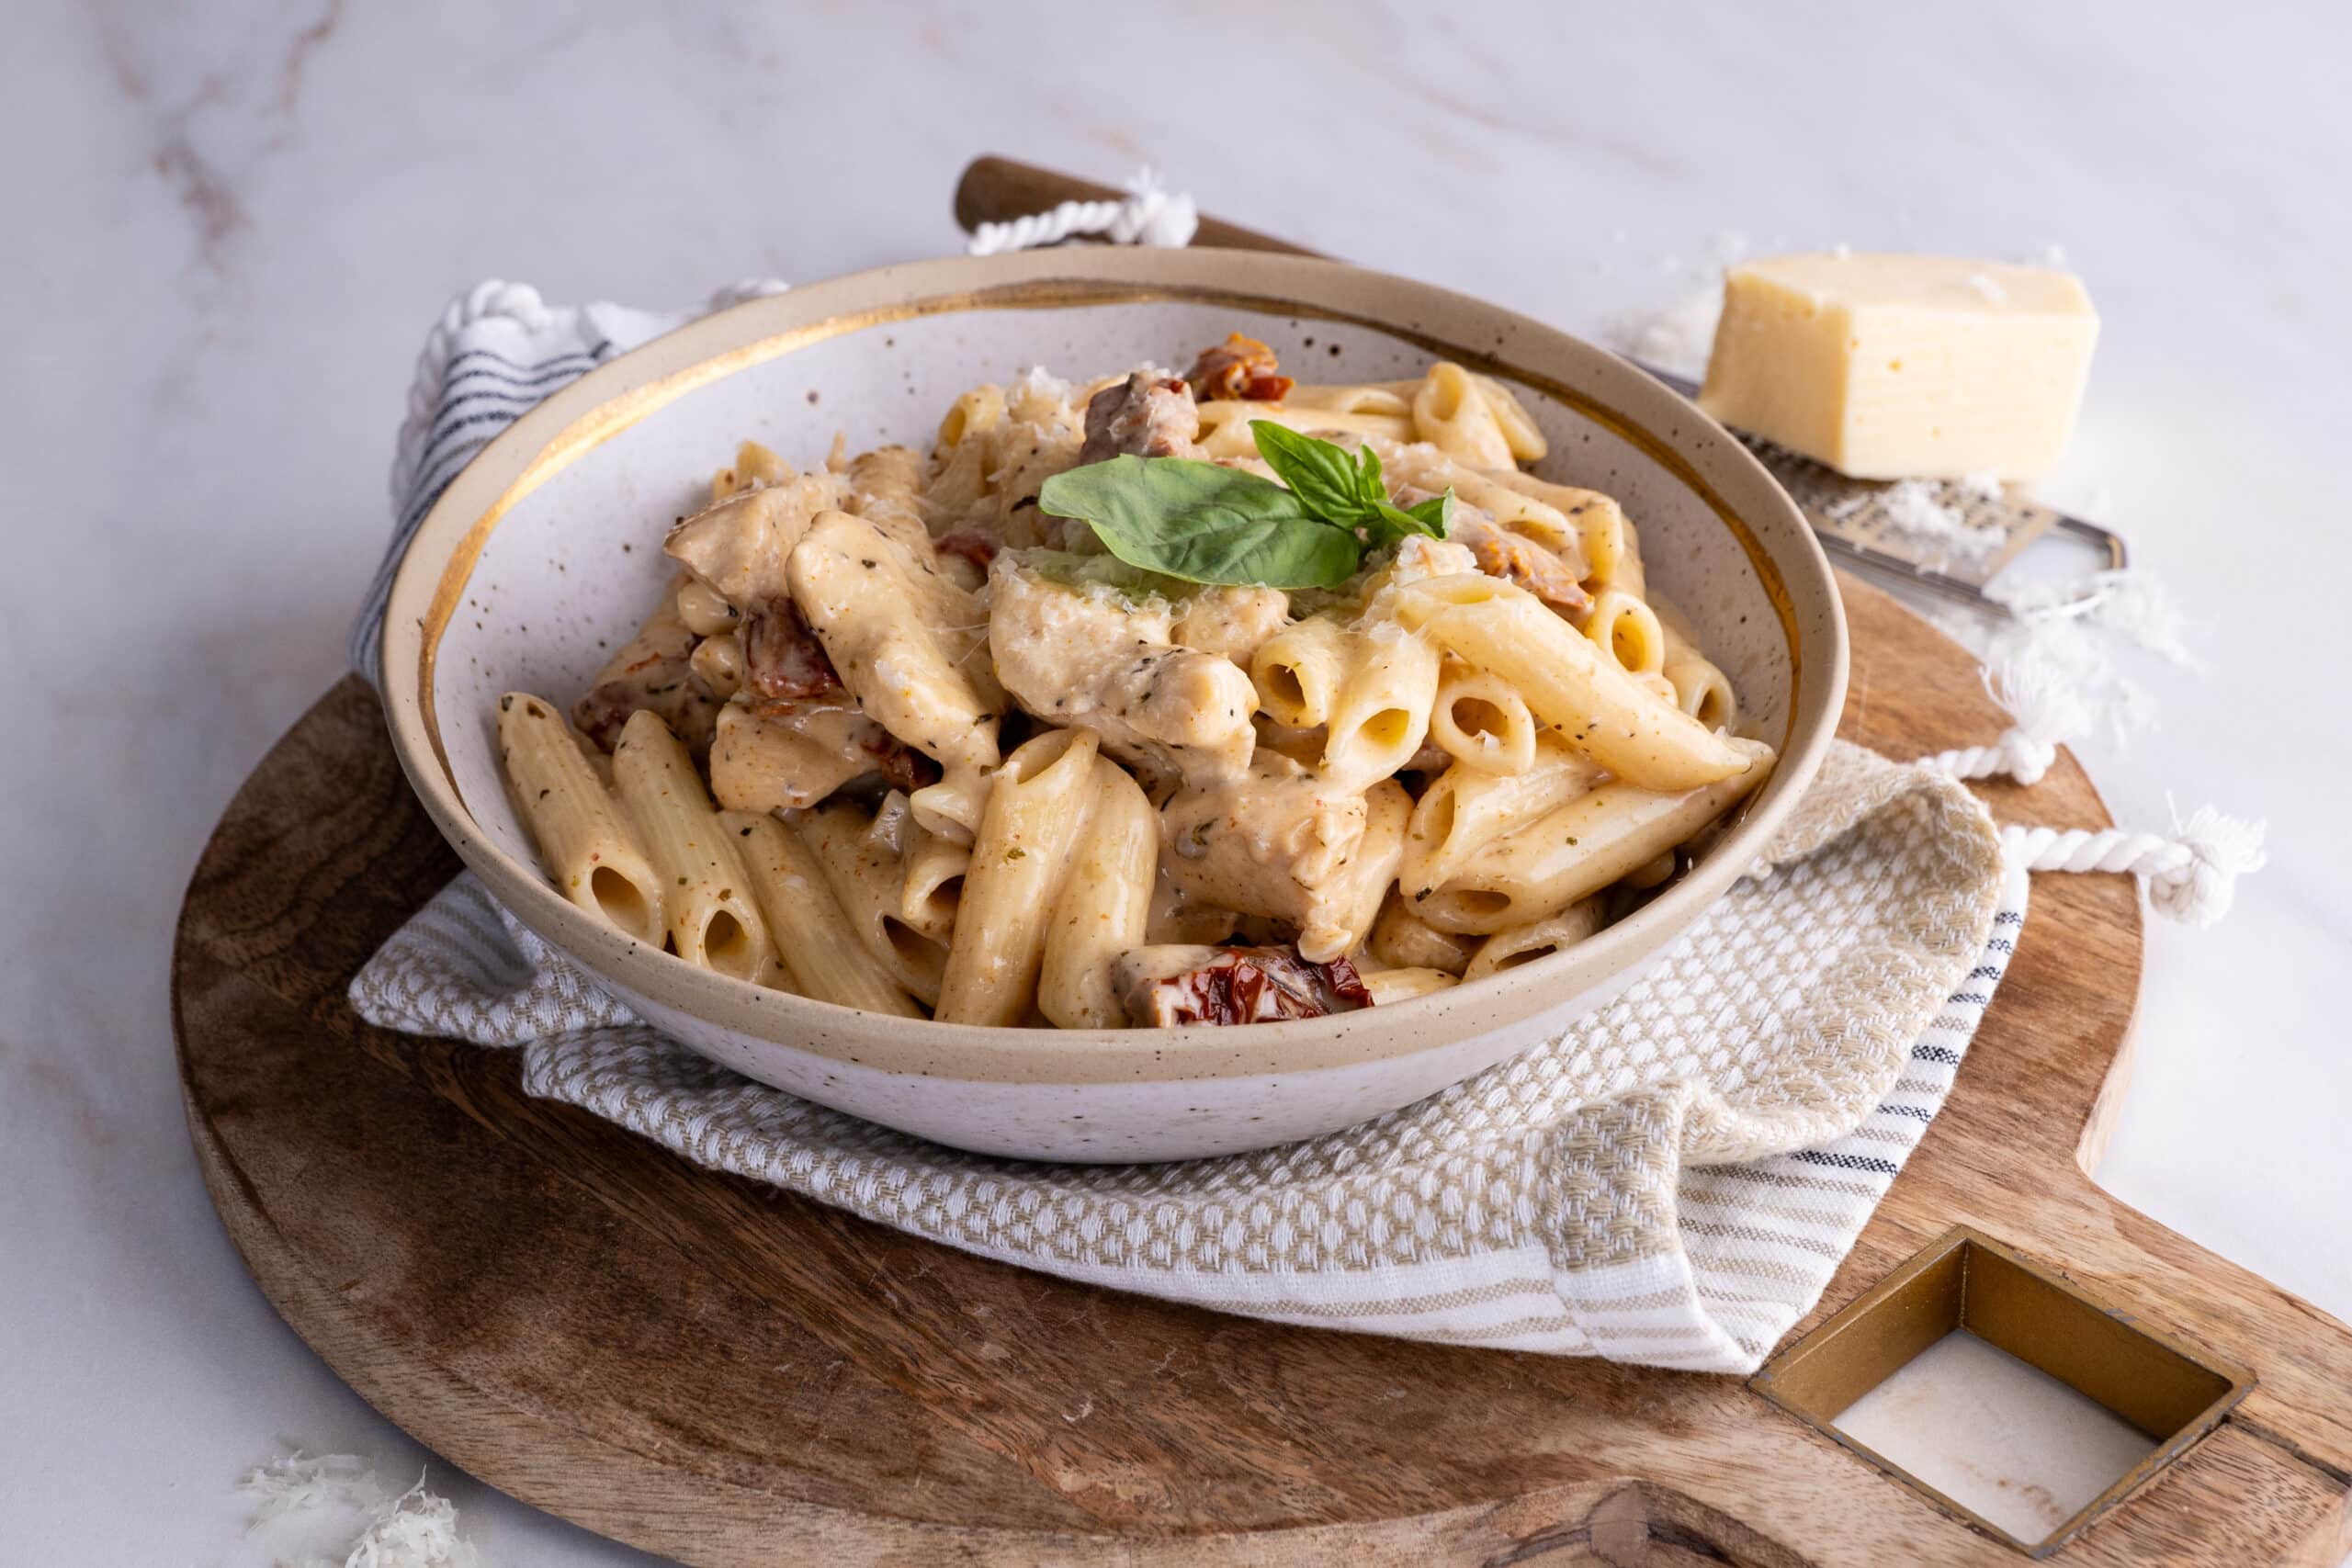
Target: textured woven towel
x,y
1671,1181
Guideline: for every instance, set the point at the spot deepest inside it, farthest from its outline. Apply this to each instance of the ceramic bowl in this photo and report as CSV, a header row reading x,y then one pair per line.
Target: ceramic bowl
x,y
546,552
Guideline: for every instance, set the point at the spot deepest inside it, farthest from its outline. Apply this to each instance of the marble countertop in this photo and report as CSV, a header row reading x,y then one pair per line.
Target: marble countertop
x,y
231,225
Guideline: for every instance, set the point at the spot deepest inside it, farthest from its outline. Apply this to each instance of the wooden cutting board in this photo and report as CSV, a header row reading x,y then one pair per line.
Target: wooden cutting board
x,y
715,1371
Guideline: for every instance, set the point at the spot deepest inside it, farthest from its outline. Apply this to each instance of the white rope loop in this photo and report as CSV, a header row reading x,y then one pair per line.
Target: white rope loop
x,y
1147,215
2015,754
2192,876
2049,708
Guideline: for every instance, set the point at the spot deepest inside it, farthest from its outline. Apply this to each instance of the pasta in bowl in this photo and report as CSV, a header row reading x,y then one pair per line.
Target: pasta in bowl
x,y
1143,763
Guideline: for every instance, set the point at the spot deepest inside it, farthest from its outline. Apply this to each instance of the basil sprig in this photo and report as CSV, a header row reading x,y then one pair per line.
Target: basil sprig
x,y
1348,491
1207,524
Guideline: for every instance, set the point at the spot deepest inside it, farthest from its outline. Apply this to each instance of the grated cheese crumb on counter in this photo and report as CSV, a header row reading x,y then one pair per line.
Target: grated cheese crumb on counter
x,y
415,1529
297,1482
1678,338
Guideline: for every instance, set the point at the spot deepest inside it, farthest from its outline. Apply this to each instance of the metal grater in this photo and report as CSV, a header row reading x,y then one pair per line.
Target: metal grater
x,y
1854,520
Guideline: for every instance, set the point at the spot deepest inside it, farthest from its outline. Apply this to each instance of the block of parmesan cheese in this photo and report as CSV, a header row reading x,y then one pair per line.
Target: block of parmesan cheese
x,y
1887,366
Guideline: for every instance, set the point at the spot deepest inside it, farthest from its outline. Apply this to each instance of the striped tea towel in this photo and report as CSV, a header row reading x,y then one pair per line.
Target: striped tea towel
x,y
1671,1180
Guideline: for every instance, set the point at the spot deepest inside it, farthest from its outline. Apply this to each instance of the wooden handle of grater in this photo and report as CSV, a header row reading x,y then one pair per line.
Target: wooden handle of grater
x,y
996,190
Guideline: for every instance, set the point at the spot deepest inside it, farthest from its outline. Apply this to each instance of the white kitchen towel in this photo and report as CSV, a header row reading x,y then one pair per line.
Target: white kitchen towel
x,y
497,350
1671,1180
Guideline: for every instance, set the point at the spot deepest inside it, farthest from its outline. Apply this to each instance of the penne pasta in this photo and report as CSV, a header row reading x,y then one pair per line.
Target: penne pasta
x,y
590,850
1380,713
717,664
1623,628
1659,687
1481,722
1656,871
1520,431
977,412
1602,711
1225,426
705,610
1581,848
1466,809
1515,945
754,466
814,937
1297,671
1394,399
1106,907
1402,940
1345,915
933,887
1453,413
1036,813
1701,689
712,919
1428,469
1389,986
867,875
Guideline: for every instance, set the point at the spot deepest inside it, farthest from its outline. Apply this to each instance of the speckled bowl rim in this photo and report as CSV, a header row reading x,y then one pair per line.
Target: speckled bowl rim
x,y
431,579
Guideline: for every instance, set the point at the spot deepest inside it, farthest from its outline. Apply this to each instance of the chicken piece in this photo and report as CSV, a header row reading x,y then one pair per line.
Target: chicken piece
x,y
885,488
1089,657
1269,843
770,756
1040,437
902,638
1231,621
739,546
653,671
1514,557
1164,988
1145,416
1239,367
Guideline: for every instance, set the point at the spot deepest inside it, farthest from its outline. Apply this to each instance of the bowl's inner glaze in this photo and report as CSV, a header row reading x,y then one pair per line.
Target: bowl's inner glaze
x,y
574,565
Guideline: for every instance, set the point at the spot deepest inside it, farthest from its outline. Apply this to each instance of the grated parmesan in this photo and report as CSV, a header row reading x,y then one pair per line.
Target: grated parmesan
x,y
415,1529
297,1482
1678,338
1912,510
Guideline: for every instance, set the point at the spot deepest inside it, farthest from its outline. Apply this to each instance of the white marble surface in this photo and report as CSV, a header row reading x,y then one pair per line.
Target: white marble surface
x,y
1995,1434
230,224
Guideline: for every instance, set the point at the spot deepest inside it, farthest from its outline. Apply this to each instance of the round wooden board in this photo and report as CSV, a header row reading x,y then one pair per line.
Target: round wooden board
x,y
715,1371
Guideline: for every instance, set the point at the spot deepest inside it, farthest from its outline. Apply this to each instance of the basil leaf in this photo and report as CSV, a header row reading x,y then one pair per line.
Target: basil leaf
x,y
1390,522
1370,487
1436,513
1204,523
1317,472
